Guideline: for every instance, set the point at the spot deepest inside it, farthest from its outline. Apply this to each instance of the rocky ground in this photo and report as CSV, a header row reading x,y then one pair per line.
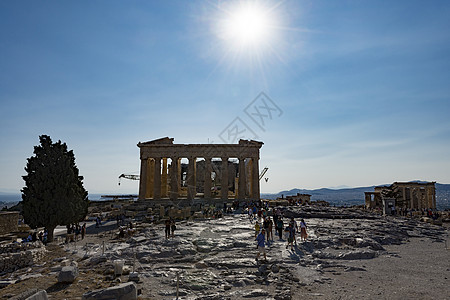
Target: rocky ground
x,y
349,254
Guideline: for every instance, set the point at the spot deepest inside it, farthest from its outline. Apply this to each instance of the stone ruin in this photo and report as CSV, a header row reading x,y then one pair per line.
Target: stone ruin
x,y
8,222
161,181
14,256
407,195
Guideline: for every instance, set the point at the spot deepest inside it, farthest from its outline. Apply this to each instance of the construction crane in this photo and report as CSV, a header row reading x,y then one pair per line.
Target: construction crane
x,y
136,177
263,172
128,176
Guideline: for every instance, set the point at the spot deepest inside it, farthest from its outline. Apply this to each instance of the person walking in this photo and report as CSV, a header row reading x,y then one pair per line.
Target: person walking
x,y
295,227
173,227
167,225
279,227
261,244
291,234
83,231
257,228
303,234
269,230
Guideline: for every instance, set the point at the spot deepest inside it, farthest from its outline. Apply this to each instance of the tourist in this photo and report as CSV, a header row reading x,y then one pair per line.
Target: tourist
x,y
173,226
259,213
269,229
167,223
34,237
291,235
257,228
77,231
261,244
303,234
83,231
250,214
45,237
294,225
279,227
275,216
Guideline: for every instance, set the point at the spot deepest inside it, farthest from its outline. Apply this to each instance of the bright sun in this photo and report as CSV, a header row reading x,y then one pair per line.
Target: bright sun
x,y
247,25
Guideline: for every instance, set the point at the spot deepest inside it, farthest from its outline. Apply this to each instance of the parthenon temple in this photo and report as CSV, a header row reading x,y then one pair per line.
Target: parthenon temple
x,y
212,172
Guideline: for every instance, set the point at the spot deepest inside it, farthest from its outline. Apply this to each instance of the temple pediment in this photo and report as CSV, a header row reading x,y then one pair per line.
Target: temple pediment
x,y
162,141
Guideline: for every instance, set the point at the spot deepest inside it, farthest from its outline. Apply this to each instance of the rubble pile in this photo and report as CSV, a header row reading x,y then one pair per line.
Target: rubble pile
x,y
19,255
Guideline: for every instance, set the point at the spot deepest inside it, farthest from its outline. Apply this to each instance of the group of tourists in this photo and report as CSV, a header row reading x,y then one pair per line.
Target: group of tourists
x,y
74,231
265,232
170,228
34,236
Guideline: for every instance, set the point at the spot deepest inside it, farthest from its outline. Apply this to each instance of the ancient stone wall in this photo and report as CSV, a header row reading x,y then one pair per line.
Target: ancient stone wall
x,y
8,222
19,255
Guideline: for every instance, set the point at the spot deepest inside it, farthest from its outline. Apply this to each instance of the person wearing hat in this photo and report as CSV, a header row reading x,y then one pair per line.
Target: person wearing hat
x,y
261,244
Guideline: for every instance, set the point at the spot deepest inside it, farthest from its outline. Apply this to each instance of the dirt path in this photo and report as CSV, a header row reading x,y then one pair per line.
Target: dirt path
x,y
418,269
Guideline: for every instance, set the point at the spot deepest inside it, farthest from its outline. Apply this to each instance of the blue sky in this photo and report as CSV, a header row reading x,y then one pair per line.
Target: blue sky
x,y
363,87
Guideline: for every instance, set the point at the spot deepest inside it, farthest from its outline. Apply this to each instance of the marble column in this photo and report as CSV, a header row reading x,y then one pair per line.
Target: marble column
x,y
191,179
255,178
242,181
179,175
207,185
249,179
164,179
433,196
143,179
157,179
411,200
174,178
150,177
224,181
404,195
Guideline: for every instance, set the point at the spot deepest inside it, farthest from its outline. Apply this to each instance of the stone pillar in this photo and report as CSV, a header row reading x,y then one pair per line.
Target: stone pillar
x,y
433,196
143,179
191,179
249,178
255,178
411,200
207,185
174,178
367,198
164,179
224,181
157,179
150,177
404,195
242,183
419,199
179,175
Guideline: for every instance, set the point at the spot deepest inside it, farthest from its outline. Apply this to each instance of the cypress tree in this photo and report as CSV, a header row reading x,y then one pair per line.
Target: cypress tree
x,y
53,194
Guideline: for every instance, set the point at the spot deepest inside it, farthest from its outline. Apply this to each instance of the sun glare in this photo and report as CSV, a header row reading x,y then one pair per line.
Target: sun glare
x,y
247,25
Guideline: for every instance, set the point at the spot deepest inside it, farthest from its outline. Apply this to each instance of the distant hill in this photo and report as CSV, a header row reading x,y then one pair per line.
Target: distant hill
x,y
355,196
338,197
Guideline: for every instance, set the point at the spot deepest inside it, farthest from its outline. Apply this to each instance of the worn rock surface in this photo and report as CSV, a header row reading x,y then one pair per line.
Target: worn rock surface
x,y
215,259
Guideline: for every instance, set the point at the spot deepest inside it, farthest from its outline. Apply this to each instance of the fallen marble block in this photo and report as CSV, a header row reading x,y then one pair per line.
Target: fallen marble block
x,y
33,294
68,274
124,291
